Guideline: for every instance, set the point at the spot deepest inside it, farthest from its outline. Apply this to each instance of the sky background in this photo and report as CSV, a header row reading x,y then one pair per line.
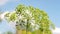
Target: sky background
x,y
52,7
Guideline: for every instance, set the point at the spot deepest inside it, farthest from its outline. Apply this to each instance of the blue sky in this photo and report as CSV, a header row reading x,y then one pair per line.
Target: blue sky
x,y
52,7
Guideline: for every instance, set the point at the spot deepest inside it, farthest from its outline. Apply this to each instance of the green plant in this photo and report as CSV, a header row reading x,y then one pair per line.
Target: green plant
x,y
31,19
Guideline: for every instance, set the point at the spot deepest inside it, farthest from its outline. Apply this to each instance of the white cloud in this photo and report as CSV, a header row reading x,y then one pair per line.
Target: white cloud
x,y
56,31
3,2
2,15
12,24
